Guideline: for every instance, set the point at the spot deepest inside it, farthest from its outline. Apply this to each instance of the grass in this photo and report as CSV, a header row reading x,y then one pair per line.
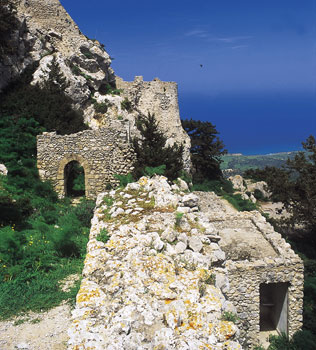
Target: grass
x,y
239,203
103,236
225,189
36,290
178,217
229,316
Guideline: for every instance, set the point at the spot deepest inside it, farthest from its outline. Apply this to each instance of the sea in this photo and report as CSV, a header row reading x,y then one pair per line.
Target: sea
x,y
253,123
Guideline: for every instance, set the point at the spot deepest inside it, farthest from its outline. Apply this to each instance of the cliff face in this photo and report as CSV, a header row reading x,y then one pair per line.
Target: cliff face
x,y
45,32
45,29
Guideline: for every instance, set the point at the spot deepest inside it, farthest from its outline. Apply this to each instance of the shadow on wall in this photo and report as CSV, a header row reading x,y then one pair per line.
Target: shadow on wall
x,y
74,178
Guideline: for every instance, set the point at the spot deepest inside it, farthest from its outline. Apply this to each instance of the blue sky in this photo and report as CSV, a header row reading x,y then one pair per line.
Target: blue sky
x,y
257,82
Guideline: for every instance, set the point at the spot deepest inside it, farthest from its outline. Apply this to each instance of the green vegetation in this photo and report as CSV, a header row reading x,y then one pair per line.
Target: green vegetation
x,y
107,89
239,203
88,54
206,150
230,316
75,69
151,149
178,217
151,171
126,105
124,179
103,236
42,239
101,107
241,163
303,340
8,24
48,105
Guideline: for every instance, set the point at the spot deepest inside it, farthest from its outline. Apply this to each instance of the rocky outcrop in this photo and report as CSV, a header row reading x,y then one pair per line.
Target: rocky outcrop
x,y
3,170
45,30
249,189
156,283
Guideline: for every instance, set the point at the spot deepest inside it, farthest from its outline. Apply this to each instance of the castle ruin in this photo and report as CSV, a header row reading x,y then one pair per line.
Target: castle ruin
x,y
102,154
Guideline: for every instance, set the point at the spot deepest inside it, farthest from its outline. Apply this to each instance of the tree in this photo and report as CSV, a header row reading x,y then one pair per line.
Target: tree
x,y
151,149
206,149
8,24
301,201
295,185
48,104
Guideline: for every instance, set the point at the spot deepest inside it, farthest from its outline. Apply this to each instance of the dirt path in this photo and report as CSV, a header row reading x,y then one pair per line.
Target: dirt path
x,y
43,331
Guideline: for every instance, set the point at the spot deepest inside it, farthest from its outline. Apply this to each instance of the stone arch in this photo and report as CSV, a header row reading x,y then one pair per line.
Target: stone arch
x,y
61,181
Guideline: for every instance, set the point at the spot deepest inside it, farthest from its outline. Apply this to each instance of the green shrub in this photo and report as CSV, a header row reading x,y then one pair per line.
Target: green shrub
x,y
84,211
178,217
230,316
103,236
151,149
126,105
124,179
86,76
258,195
107,89
239,203
301,340
211,279
258,347
151,171
75,69
185,176
8,24
220,187
101,107
88,54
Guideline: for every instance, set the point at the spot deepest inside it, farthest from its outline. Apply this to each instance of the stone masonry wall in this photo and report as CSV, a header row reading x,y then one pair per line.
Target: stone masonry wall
x,y
102,153
245,279
255,254
246,276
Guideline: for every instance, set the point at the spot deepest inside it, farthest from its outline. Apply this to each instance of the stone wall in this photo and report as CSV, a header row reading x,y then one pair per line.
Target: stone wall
x,y
244,292
102,153
161,98
255,255
151,285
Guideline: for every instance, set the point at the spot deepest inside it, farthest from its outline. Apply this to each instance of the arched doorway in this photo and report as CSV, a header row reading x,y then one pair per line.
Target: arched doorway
x,y
74,179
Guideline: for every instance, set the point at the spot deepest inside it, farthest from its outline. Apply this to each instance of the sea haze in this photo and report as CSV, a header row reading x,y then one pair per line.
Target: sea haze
x,y
255,123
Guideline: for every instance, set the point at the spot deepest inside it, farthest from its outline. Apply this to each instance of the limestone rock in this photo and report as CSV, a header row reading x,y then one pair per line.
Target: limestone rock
x,y
3,170
180,247
182,185
190,200
238,183
149,293
195,244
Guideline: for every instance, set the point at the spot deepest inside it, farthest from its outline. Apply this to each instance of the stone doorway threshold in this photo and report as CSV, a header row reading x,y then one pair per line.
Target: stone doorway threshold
x,y
264,337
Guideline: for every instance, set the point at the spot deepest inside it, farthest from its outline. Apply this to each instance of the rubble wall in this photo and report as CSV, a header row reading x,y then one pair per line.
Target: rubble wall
x,y
102,153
